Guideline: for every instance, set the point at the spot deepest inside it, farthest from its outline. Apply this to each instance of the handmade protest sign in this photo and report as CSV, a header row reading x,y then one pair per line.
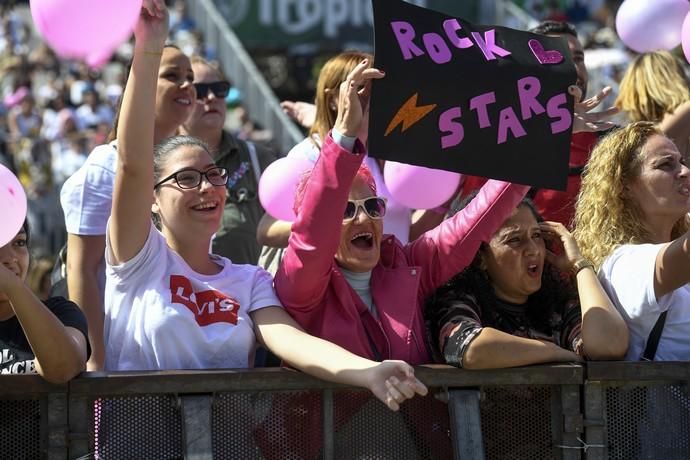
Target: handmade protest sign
x,y
482,100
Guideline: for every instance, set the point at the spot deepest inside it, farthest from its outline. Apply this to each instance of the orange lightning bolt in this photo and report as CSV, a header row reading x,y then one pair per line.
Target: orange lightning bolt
x,y
409,114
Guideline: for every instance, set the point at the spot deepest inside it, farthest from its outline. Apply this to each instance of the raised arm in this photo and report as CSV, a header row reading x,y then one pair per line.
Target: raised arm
x,y
604,332
672,267
302,277
131,213
392,382
450,247
676,125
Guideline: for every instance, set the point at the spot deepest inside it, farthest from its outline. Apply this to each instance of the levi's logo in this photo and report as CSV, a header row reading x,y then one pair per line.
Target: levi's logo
x,y
208,306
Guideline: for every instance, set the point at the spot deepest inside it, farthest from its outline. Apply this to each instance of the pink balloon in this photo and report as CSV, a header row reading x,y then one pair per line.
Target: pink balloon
x,y
13,206
649,25
278,184
418,187
685,37
85,29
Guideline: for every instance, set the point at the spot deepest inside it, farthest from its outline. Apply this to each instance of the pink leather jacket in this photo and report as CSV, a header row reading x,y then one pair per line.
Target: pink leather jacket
x,y
314,291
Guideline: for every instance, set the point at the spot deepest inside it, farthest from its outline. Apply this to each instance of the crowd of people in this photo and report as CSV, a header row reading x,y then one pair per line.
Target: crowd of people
x,y
364,288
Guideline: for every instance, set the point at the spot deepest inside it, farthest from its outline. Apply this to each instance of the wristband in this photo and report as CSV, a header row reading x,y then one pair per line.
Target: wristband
x,y
580,265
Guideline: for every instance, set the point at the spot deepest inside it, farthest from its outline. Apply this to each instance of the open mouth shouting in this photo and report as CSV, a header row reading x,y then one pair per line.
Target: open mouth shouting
x,y
533,270
363,240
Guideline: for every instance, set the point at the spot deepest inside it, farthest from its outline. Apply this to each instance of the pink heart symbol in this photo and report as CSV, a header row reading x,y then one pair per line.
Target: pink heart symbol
x,y
543,56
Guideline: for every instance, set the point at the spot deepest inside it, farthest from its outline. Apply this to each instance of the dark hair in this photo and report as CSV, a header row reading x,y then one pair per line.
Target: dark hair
x,y
112,135
167,146
551,27
25,229
555,292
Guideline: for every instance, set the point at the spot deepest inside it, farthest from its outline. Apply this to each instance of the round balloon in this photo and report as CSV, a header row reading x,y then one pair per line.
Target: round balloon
x,y
418,187
646,25
278,184
13,201
85,29
685,37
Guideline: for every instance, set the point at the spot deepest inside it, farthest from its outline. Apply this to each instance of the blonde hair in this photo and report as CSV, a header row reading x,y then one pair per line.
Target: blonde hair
x,y
654,85
199,60
605,215
332,74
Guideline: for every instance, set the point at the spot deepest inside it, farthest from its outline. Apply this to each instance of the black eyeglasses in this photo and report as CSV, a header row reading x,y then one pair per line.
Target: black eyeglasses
x,y
218,88
191,178
374,207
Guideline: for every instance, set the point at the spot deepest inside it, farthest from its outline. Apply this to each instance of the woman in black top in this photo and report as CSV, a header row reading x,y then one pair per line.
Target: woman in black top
x,y
518,303
48,338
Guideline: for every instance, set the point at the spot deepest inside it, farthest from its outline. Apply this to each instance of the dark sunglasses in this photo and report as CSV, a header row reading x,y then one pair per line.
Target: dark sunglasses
x,y
191,178
374,207
218,88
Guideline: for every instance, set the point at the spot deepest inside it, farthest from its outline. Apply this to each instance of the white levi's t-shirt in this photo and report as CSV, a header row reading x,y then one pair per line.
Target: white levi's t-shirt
x,y
627,275
160,314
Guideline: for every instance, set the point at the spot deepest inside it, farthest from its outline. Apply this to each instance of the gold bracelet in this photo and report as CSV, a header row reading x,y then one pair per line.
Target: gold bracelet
x,y
580,265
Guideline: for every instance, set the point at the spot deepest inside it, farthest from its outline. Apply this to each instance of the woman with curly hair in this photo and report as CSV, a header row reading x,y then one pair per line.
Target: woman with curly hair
x,y
516,303
655,88
632,222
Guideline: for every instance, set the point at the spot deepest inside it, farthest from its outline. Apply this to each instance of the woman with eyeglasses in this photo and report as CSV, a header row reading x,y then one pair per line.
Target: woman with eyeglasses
x,y
86,196
236,238
169,303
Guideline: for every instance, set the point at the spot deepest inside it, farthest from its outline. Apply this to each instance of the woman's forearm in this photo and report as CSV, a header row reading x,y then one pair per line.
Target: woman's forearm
x,y
60,354
315,356
494,349
604,332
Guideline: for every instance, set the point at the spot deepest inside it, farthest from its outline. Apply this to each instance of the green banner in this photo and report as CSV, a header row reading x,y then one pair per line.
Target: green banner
x,y
322,23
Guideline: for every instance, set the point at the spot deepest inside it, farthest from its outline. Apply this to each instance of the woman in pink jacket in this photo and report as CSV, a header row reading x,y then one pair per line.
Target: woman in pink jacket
x,y
346,282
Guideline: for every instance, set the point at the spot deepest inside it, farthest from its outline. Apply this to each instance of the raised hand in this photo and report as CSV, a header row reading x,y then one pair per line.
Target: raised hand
x,y
557,233
8,279
353,98
393,382
596,121
303,113
151,29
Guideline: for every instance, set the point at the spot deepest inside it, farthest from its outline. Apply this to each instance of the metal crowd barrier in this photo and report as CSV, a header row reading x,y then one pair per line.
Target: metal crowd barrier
x,y
257,96
615,410
531,412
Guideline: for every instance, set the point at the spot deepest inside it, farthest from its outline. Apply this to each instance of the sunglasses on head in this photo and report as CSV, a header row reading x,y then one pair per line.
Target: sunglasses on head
x,y
218,88
374,207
